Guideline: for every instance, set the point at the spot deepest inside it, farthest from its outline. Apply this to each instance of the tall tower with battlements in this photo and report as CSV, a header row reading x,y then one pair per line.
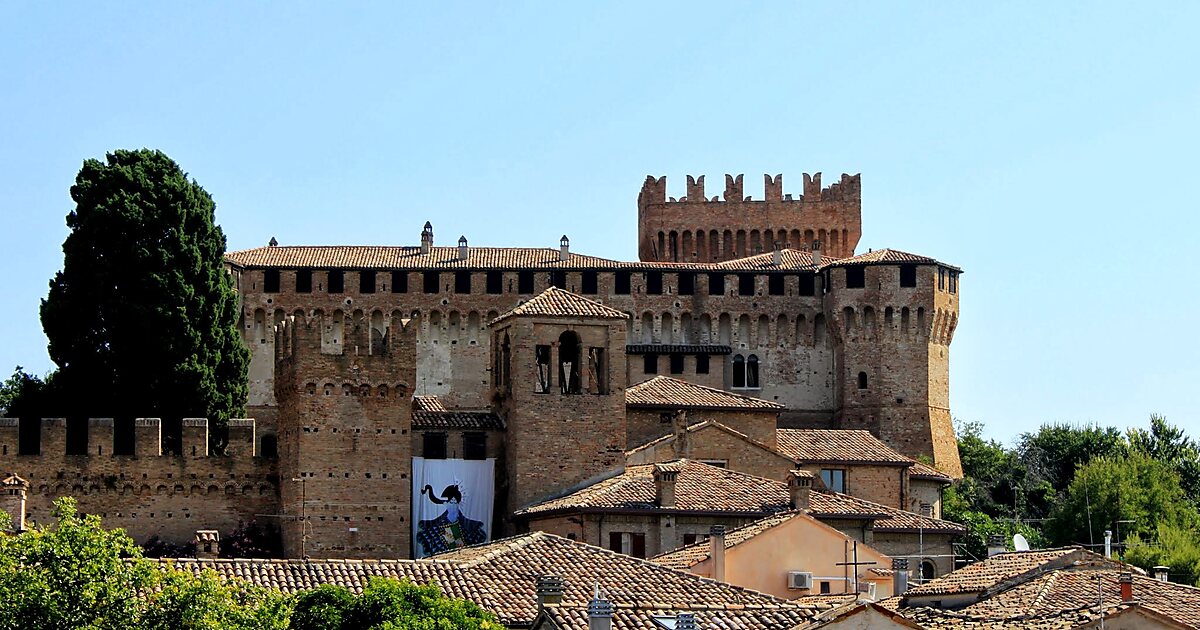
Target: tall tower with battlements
x,y
695,228
344,387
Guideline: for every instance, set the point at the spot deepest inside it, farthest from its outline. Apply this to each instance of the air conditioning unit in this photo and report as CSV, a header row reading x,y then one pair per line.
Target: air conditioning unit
x,y
800,580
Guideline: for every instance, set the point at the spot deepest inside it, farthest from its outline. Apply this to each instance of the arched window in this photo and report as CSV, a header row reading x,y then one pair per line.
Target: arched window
x,y
928,570
739,371
862,380
568,363
752,372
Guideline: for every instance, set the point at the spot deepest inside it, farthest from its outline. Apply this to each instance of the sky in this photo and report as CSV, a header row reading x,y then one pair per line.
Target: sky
x,y
1048,149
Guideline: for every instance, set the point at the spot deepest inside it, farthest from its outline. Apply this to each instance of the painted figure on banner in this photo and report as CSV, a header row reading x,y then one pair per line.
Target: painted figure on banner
x,y
451,529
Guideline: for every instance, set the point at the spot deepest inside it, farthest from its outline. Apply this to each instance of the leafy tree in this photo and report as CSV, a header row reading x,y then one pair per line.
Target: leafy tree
x,y
394,605
1169,444
21,394
1057,450
323,608
206,602
1177,548
72,576
1110,489
143,318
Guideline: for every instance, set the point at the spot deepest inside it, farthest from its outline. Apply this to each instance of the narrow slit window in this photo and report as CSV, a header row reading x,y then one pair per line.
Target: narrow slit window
x,y
542,357
568,363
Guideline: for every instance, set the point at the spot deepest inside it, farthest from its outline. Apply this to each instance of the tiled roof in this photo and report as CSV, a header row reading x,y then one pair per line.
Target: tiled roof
x,y
669,348
937,619
501,578
837,445
884,257
556,302
653,616
693,554
467,420
703,488
1068,589
704,424
667,392
789,259
428,403
925,471
381,257
978,577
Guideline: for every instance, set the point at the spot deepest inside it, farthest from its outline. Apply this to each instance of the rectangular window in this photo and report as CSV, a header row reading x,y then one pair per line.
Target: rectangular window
x,y
745,284
775,284
650,364
702,364
690,539
434,445
908,275
542,356
808,284
716,284
826,588
432,282
654,283
474,445
687,283
834,478
336,282
304,281
525,282
558,279
677,364
590,286
954,282
637,545
941,279
462,281
597,371
366,282
495,282
621,283
271,281
614,542
856,277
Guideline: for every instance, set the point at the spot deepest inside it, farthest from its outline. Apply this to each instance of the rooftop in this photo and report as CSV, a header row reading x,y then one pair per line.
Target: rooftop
x,y
693,554
666,392
978,577
430,413
556,302
837,445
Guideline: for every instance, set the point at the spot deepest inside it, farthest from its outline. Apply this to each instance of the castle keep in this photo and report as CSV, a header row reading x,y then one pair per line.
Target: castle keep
x,y
364,357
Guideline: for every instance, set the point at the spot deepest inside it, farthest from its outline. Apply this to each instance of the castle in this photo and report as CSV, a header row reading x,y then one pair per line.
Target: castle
x,y
366,357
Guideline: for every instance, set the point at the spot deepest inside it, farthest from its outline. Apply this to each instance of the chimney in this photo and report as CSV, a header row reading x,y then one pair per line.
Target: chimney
x,y
899,576
995,545
427,238
679,424
816,253
600,612
208,543
800,489
1126,582
564,249
549,590
716,546
777,256
685,621
664,485
1108,544
462,247
14,489
1161,572
272,242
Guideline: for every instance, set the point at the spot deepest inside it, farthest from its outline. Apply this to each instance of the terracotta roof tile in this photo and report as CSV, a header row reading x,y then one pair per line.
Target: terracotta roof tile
x,y
790,259
978,577
382,257
667,392
925,471
643,616
428,403
837,445
673,348
458,419
703,424
501,577
556,302
883,257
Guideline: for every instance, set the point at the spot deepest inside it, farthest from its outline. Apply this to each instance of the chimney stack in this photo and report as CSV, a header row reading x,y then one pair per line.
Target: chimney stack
x,y
427,238
777,256
800,489
716,546
564,248
899,576
14,489
664,484
1126,582
600,612
1108,544
549,590
816,253
685,621
208,544
462,247
995,545
679,424
1161,573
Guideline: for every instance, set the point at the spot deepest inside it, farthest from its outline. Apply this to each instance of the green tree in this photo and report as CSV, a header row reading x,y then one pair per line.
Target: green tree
x,y
323,608
1169,444
1109,489
143,318
73,575
1057,450
394,605
1177,548
185,601
22,394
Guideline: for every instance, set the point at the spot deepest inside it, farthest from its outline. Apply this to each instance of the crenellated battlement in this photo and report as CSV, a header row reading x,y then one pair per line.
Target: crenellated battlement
x,y
699,228
101,442
338,333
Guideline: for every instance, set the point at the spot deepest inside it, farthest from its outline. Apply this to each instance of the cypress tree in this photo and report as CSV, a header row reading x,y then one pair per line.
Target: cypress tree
x,y
142,319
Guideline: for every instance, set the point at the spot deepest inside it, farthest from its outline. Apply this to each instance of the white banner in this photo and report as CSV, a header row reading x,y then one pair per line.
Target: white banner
x,y
452,503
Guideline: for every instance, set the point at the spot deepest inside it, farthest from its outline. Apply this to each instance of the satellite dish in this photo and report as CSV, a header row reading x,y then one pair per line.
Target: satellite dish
x,y
1019,543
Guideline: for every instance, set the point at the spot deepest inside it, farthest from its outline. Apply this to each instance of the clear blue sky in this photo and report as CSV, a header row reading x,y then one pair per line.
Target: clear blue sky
x,y
1049,149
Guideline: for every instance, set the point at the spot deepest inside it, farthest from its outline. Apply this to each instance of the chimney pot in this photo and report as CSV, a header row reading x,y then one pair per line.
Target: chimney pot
x,y
1161,573
664,485
685,621
1126,582
600,612
816,253
462,247
899,576
800,490
549,590
716,544
777,256
427,238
